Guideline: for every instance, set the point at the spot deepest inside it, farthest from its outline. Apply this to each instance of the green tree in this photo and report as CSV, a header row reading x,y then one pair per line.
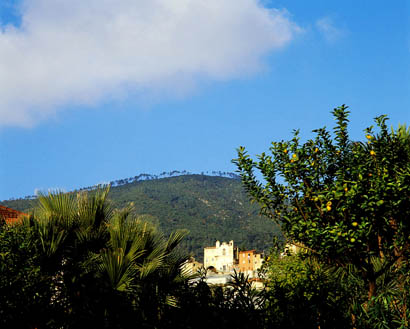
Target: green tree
x,y
24,290
79,263
304,293
347,202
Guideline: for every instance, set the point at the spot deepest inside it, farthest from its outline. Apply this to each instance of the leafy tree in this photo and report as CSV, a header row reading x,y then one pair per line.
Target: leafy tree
x,y
237,305
347,202
304,293
24,290
79,263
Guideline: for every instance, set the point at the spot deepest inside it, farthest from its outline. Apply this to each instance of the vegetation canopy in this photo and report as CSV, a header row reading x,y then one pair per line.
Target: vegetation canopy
x,y
210,207
346,202
80,263
87,264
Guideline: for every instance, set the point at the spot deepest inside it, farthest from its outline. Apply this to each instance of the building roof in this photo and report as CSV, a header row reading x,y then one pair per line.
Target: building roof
x,y
11,216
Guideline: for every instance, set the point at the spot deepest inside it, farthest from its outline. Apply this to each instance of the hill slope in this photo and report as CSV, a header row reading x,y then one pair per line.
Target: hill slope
x,y
211,208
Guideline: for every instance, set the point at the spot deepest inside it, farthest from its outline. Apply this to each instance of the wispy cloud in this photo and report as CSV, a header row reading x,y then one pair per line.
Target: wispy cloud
x,y
76,52
329,30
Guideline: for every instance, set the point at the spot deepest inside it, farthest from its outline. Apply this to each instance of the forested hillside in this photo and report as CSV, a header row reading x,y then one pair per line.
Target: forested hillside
x,y
210,207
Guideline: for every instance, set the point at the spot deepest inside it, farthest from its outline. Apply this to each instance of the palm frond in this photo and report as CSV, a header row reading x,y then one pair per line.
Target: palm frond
x,y
59,207
94,210
119,268
175,239
51,238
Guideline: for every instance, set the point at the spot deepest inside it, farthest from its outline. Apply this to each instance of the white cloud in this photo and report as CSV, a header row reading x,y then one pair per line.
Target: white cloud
x,y
76,52
327,27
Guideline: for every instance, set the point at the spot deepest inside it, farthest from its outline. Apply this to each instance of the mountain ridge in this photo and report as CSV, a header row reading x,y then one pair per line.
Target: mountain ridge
x,y
210,207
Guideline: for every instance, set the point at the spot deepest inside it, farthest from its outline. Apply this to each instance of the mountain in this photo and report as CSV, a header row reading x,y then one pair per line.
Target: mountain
x,y
210,207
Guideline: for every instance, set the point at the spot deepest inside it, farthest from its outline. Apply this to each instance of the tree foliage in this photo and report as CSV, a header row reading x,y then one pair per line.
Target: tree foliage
x,y
304,293
87,264
210,207
347,202
79,263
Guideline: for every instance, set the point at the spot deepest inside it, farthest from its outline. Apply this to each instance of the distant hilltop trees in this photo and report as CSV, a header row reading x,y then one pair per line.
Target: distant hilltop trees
x,y
144,177
174,173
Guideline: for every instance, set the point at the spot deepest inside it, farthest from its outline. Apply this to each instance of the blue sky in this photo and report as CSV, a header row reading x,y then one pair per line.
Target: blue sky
x,y
93,91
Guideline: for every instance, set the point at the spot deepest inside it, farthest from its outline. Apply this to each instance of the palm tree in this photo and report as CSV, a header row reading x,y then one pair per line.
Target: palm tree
x,y
106,266
141,265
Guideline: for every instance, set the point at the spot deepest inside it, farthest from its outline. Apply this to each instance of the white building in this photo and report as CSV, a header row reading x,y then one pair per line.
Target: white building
x,y
221,257
218,279
191,266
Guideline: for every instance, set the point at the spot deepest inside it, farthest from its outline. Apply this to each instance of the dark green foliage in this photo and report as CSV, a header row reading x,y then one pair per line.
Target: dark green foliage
x,y
238,305
24,289
306,294
80,264
346,201
348,204
210,208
